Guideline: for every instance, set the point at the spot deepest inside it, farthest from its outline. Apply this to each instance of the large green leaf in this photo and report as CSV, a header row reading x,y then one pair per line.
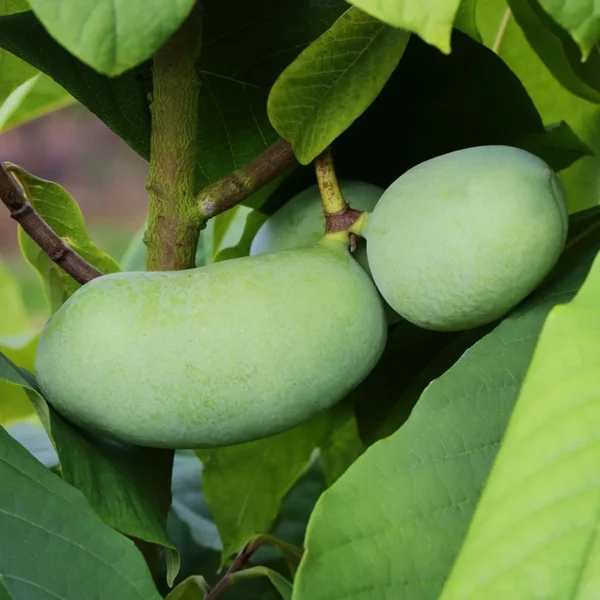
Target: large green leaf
x,y
333,81
62,213
245,484
554,102
110,36
425,480
432,20
581,20
54,545
119,482
557,50
535,531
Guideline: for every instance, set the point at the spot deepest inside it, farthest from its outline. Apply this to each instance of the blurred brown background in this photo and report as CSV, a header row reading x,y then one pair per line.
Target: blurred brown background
x,y
74,148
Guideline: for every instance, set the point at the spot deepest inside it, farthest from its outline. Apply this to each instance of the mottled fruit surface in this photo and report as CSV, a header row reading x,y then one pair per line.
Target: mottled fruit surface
x,y
217,355
300,223
459,240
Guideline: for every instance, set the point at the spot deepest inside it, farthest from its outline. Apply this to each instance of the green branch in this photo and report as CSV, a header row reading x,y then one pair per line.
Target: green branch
x,y
173,222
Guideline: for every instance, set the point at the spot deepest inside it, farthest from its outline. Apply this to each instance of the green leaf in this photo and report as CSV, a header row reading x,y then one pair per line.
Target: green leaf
x,y
8,7
15,405
232,113
111,37
466,19
557,50
333,81
56,206
431,20
582,21
244,485
192,588
535,530
41,517
19,343
554,102
425,480
118,481
280,583
33,98
342,445
558,145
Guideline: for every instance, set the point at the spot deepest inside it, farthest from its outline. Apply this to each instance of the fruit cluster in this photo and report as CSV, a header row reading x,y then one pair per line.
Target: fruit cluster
x,y
246,348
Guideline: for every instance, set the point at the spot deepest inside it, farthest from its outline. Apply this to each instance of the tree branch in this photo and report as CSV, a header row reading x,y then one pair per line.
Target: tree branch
x,y
239,563
243,182
173,223
41,233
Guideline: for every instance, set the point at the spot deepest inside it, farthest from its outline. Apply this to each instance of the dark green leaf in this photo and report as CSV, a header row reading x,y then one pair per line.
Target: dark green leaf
x,y
431,20
268,34
558,50
535,530
426,479
42,517
56,206
245,484
119,482
342,445
109,36
333,81
558,145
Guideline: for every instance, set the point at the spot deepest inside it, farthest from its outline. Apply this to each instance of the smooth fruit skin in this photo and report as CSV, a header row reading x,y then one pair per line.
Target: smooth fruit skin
x,y
460,239
213,356
300,223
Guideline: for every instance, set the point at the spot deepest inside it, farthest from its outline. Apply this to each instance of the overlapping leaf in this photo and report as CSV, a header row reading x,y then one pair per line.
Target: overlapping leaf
x,y
333,81
110,36
119,482
426,479
42,516
431,20
557,50
56,206
582,21
535,531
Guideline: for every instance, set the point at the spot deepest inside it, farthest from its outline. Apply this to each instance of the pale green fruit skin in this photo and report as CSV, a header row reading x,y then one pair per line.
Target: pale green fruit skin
x,y
459,240
301,223
216,355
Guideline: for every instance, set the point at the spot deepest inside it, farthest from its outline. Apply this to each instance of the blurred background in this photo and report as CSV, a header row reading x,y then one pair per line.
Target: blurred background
x,y
75,149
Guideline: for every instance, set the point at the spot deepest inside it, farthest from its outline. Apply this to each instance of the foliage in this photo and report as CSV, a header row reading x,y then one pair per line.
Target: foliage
x,y
463,466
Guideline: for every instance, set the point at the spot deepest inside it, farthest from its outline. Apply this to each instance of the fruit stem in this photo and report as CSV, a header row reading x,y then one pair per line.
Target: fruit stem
x,y
173,220
329,186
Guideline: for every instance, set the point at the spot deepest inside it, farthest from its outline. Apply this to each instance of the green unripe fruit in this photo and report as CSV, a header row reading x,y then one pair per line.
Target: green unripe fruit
x,y
459,240
300,223
216,355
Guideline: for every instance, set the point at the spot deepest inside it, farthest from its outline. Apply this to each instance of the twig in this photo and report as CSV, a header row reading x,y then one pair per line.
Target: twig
x,y
41,233
239,563
339,215
243,182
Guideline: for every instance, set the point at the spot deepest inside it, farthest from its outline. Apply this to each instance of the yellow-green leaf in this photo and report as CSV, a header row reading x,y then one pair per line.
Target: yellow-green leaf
x,y
62,213
431,20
